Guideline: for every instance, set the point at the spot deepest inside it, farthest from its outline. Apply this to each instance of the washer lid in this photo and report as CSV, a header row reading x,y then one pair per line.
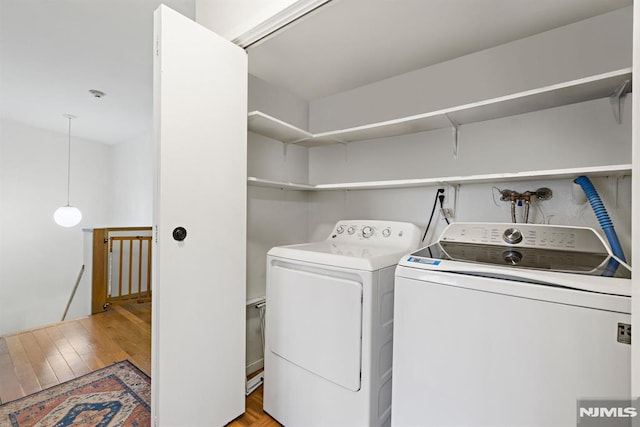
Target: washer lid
x,y
340,254
428,259
587,263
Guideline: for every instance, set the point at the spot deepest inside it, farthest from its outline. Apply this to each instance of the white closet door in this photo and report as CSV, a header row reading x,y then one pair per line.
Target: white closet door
x,y
200,111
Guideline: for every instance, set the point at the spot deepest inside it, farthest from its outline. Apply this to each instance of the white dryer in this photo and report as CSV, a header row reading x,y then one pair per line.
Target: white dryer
x,y
329,325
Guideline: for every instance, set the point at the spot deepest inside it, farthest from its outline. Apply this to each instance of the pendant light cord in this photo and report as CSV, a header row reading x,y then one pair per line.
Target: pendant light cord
x,y
69,163
67,215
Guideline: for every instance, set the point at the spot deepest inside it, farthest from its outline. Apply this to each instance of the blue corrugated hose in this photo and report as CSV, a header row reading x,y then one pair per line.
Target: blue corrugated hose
x,y
603,218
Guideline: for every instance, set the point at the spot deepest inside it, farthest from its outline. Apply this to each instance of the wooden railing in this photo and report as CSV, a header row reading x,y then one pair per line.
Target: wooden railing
x,y
125,266
121,266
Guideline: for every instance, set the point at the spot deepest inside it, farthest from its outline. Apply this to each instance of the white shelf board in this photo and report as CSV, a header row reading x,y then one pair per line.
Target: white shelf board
x,y
592,171
615,170
404,126
267,183
255,301
271,127
571,92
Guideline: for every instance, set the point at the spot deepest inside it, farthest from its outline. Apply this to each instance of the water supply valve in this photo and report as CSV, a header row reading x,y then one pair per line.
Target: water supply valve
x,y
515,197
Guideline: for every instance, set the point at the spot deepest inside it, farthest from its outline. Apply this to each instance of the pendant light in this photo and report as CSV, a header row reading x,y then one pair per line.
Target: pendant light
x,y
68,216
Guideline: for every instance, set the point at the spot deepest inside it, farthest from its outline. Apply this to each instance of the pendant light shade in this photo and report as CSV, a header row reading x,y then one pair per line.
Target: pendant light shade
x,y
68,216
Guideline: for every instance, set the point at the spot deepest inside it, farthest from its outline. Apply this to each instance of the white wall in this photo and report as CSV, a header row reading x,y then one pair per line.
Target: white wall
x,y
39,260
132,183
576,135
471,203
275,217
278,102
592,46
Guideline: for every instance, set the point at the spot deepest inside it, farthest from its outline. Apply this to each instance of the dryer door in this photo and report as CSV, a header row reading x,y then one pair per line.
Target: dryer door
x,y
315,322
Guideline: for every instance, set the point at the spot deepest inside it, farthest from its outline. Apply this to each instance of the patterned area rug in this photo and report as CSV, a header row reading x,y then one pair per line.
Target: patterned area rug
x,y
118,395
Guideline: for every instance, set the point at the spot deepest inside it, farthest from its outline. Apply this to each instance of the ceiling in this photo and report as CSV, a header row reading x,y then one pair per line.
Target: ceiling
x,y
350,43
52,52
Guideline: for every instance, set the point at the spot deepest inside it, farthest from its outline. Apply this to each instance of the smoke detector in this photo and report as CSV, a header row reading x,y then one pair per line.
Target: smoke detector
x,y
97,93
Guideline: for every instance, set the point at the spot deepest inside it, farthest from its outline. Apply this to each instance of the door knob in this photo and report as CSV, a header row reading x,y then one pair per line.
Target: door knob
x,y
179,234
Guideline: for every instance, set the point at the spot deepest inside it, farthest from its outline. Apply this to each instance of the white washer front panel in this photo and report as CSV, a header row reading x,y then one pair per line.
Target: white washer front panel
x,y
472,357
316,323
563,288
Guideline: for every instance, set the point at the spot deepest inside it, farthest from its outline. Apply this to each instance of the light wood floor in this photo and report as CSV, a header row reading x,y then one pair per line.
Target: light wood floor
x,y
43,357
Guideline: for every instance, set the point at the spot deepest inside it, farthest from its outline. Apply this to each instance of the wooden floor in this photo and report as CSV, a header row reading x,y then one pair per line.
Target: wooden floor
x,y
254,416
43,357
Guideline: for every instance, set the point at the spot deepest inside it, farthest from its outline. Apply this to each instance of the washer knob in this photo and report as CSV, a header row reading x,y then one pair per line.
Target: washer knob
x,y
367,232
351,230
340,229
512,257
512,236
386,232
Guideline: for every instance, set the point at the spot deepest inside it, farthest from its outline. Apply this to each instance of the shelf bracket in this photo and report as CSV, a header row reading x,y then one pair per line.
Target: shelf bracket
x,y
455,128
285,145
619,178
617,99
346,151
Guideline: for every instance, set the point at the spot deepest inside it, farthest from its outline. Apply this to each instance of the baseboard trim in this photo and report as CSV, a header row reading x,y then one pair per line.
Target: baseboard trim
x,y
255,366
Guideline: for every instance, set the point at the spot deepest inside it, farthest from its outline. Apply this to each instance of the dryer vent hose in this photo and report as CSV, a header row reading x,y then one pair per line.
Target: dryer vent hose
x,y
602,215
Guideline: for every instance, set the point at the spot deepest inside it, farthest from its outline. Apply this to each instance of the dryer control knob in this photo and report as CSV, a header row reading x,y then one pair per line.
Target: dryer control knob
x,y
340,229
512,236
386,232
367,232
351,230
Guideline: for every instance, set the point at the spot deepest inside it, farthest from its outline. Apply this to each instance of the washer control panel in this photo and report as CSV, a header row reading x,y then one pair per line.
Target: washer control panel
x,y
373,231
542,236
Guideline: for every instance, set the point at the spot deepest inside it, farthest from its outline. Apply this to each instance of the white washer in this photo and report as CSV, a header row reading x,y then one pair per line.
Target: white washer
x,y
509,325
329,325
